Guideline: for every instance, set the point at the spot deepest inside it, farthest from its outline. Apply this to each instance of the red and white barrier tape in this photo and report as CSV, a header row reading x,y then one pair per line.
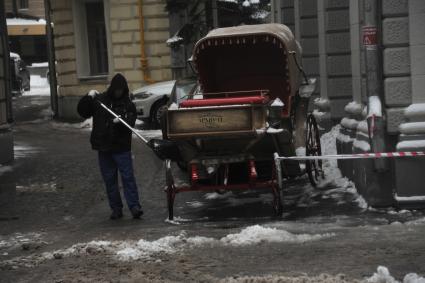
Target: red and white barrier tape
x,y
355,156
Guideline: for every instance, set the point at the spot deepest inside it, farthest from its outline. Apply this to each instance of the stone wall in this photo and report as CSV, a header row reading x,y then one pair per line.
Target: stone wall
x,y
6,138
124,49
396,61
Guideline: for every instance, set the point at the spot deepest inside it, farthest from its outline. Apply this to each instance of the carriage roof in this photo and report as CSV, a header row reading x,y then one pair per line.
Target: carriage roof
x,y
217,43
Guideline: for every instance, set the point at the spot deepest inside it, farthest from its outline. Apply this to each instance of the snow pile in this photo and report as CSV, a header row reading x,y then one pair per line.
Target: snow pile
x,y
147,250
300,151
375,107
362,145
214,196
24,150
344,138
173,40
86,124
40,65
322,278
383,276
258,234
260,15
21,21
332,172
410,145
277,103
18,239
349,123
322,103
195,204
272,131
354,108
231,1
39,86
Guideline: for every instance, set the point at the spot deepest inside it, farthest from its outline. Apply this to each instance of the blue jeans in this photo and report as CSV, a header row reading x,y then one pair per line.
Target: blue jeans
x,y
110,163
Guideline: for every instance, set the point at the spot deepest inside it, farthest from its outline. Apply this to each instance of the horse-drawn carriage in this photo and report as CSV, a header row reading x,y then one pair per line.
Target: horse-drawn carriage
x,y
251,102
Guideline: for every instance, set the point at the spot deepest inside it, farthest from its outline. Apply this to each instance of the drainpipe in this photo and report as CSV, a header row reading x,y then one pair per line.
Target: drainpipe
x,y
214,13
15,8
143,59
52,60
371,41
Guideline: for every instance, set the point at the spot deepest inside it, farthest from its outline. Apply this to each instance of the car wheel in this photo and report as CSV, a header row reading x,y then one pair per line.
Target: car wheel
x,y
158,112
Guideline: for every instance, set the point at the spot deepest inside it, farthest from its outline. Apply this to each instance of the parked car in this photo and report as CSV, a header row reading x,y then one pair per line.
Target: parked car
x,y
19,74
151,101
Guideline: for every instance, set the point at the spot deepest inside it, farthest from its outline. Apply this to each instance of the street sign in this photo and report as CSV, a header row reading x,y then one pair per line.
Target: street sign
x,y
370,36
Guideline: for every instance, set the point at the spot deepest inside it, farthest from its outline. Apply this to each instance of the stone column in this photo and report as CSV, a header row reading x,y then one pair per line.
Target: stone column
x,y
322,114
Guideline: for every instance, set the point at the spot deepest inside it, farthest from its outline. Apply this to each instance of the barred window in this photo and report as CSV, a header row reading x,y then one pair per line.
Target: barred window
x,y
23,4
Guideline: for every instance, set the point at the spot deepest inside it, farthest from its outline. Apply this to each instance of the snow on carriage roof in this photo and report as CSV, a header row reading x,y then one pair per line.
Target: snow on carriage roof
x,y
278,30
20,21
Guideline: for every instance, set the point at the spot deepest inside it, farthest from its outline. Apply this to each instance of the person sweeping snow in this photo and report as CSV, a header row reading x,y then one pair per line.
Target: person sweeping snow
x,y
112,140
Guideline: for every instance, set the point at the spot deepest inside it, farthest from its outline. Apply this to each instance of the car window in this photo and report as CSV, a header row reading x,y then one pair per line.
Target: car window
x,y
183,91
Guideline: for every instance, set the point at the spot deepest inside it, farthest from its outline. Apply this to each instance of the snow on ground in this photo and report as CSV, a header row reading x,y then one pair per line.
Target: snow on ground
x,y
148,250
25,150
18,239
381,276
86,124
39,86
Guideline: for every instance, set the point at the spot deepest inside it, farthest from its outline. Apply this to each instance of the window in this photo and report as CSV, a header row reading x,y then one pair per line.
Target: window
x,y
23,4
96,33
91,38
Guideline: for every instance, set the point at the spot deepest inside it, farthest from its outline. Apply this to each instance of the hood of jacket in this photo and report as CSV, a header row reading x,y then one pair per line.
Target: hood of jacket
x,y
118,82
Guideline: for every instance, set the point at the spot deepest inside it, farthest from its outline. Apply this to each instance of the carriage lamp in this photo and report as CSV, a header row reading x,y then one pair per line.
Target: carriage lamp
x,y
275,112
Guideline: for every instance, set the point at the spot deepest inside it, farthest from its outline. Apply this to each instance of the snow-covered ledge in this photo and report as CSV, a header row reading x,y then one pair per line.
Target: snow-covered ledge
x,y
413,132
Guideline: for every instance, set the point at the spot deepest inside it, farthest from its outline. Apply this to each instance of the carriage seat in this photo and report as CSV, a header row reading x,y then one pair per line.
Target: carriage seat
x,y
224,101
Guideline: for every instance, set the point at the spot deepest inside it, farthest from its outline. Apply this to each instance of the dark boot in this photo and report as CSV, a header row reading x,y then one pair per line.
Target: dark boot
x,y
116,214
137,212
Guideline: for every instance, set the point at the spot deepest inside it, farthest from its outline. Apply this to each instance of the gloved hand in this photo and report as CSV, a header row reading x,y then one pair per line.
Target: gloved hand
x,y
116,120
93,93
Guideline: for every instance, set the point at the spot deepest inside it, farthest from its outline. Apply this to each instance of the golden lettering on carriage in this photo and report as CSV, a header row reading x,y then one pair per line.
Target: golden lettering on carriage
x,y
210,120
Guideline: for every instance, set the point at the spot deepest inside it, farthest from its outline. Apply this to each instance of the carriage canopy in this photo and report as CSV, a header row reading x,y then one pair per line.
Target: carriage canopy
x,y
247,58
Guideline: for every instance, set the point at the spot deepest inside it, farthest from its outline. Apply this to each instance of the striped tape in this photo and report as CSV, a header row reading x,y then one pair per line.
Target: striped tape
x,y
355,156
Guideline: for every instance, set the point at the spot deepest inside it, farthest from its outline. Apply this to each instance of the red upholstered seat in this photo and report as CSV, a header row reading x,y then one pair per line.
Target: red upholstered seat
x,y
224,101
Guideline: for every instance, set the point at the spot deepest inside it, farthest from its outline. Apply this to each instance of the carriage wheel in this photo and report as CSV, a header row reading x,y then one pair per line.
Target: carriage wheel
x,y
277,199
313,148
170,190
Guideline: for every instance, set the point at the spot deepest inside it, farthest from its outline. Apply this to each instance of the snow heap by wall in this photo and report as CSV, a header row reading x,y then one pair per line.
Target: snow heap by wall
x,y
331,170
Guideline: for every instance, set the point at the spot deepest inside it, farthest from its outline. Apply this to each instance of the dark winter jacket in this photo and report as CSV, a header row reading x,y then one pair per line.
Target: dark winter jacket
x,y
106,135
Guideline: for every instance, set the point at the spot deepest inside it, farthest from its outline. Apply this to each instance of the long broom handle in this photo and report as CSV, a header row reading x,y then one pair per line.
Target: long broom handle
x,y
124,122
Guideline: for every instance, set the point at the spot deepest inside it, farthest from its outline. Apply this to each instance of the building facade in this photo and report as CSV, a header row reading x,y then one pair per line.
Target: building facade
x,y
94,39
30,8
334,50
27,29
6,138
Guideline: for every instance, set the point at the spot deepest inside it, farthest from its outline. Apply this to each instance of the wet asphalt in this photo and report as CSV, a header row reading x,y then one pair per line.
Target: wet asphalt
x,y
55,189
